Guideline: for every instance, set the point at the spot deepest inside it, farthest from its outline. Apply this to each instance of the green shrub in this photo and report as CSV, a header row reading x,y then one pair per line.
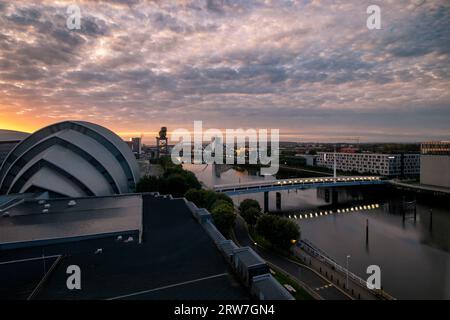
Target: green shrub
x,y
221,203
251,215
197,197
206,198
175,181
148,184
224,197
280,232
249,203
224,218
176,185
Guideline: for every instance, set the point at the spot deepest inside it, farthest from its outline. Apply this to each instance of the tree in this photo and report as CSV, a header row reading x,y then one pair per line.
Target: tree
x,y
176,185
210,198
223,217
249,203
175,181
148,184
280,232
191,180
207,198
224,197
251,215
197,197
221,203
265,224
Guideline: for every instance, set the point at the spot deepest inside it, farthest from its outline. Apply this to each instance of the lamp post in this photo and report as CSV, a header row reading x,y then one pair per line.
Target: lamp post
x,y
334,166
348,257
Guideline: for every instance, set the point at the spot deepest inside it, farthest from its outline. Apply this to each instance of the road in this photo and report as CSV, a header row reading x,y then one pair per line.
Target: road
x,y
322,287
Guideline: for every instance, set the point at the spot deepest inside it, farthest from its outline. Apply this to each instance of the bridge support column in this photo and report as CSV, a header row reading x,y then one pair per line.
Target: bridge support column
x,y
278,203
334,197
266,201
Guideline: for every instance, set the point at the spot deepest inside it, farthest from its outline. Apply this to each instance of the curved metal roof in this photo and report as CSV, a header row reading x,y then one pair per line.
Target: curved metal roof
x,y
83,158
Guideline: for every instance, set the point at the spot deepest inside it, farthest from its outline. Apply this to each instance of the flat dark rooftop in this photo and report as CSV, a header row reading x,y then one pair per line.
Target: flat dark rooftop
x,y
177,260
27,223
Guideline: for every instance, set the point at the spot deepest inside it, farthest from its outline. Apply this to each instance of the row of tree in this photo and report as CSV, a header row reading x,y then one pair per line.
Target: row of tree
x,y
175,180
220,205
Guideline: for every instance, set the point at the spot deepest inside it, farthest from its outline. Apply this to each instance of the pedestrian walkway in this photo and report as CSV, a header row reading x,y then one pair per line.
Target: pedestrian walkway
x,y
303,274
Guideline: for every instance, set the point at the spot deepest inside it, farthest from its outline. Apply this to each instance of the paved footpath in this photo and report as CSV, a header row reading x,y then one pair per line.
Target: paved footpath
x,y
322,288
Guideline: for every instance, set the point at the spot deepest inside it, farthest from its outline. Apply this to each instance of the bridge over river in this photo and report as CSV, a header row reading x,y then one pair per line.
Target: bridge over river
x,y
296,184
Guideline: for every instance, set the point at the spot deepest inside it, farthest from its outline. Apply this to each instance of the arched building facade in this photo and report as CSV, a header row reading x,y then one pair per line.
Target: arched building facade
x,y
73,159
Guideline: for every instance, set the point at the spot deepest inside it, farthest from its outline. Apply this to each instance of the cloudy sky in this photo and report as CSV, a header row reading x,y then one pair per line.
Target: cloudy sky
x,y
308,67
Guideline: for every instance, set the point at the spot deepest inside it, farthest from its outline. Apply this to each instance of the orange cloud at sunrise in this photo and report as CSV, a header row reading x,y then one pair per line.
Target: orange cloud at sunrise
x,y
309,68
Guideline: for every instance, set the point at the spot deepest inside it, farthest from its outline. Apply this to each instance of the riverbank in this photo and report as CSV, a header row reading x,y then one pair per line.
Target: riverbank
x,y
403,249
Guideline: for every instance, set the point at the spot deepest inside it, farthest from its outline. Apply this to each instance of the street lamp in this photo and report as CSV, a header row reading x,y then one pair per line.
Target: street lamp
x,y
348,257
334,166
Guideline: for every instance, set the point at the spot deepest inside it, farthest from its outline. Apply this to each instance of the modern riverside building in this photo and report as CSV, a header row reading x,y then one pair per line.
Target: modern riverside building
x,y
435,164
390,165
70,158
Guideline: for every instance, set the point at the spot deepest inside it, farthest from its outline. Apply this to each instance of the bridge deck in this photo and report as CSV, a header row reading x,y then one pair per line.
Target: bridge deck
x,y
300,183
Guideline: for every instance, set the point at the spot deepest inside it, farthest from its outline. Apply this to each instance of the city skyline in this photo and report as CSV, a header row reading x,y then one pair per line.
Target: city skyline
x,y
309,68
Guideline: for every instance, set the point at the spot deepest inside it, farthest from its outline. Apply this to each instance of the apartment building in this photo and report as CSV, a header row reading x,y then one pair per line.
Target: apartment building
x,y
391,165
435,163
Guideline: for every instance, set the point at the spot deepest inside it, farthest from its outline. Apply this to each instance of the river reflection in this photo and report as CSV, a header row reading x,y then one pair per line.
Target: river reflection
x,y
414,258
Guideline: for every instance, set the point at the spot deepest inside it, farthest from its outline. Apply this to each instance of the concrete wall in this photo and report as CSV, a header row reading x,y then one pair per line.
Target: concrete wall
x,y
435,170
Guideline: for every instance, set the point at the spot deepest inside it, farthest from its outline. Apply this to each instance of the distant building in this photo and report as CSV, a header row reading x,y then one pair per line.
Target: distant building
x,y
136,145
435,163
390,165
129,144
310,159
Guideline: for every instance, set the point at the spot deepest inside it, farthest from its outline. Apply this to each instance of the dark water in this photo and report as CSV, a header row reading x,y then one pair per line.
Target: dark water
x,y
414,258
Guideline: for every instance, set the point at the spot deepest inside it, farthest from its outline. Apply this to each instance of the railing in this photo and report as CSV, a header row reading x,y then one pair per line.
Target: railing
x,y
322,256
45,277
296,182
305,244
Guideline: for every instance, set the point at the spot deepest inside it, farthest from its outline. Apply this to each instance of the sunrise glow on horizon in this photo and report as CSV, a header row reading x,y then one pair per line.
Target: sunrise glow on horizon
x,y
311,69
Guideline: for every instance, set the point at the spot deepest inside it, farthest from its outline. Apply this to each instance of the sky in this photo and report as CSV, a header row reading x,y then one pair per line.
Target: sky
x,y
310,68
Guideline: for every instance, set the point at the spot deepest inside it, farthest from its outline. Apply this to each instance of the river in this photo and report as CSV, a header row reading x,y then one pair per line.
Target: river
x,y
414,258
